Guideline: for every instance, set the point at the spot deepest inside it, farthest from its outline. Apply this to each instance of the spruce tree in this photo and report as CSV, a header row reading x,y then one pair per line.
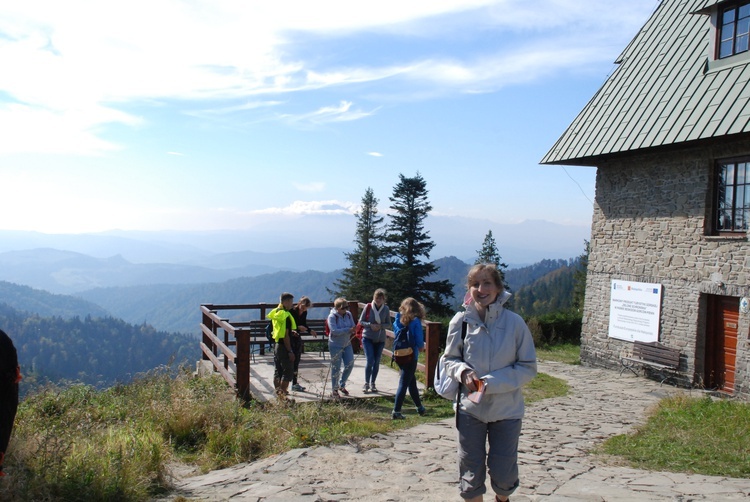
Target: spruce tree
x,y
490,254
408,244
366,268
579,286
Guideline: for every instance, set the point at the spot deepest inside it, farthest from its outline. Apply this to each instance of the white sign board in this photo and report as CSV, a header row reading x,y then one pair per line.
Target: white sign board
x,y
634,311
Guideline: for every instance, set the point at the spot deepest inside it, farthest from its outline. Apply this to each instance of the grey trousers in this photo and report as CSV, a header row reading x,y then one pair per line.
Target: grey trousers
x,y
474,459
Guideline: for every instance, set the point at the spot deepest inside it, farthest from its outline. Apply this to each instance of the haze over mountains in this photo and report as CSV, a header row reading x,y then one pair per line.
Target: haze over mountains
x,y
161,278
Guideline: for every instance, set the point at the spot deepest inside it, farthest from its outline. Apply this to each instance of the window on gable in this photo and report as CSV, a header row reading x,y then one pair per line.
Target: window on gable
x,y
732,196
734,29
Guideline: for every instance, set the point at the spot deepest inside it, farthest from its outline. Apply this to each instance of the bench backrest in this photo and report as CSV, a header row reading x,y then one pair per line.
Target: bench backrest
x,y
657,353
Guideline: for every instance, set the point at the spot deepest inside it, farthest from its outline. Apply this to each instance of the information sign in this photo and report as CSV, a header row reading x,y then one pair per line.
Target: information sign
x,y
634,311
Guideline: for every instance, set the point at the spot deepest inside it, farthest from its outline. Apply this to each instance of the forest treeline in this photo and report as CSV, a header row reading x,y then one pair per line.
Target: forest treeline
x,y
98,351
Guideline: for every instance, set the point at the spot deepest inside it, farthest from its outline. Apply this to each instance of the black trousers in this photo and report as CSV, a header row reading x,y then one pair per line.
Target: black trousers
x,y
8,408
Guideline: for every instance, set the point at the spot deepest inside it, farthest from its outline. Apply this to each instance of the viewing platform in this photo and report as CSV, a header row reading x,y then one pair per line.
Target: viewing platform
x,y
315,376
237,349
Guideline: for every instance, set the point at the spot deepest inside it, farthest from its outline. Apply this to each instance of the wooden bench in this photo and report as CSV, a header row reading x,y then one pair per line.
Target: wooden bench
x,y
664,360
258,337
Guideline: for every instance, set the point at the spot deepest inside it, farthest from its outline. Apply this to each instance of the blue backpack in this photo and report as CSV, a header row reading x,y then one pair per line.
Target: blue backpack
x,y
402,346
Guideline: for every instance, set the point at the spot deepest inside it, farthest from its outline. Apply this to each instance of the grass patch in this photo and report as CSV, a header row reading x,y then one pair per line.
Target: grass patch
x,y
79,443
544,386
564,353
693,435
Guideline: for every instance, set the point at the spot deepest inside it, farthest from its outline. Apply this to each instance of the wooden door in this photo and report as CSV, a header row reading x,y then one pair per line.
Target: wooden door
x,y
721,342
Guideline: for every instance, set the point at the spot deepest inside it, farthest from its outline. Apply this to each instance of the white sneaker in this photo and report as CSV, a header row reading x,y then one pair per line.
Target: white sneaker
x,y
366,389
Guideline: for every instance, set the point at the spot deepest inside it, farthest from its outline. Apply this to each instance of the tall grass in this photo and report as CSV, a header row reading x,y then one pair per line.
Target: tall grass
x,y
81,444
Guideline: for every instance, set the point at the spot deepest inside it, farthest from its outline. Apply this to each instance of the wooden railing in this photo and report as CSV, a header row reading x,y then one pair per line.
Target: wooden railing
x,y
229,345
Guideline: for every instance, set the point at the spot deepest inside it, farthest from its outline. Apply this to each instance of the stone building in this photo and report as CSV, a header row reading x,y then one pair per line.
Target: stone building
x,y
669,134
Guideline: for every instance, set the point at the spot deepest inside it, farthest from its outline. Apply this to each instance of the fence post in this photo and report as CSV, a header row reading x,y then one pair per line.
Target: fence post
x,y
432,343
242,363
209,323
354,309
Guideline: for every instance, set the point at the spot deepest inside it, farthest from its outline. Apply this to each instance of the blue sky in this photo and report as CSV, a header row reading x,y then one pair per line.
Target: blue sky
x,y
193,115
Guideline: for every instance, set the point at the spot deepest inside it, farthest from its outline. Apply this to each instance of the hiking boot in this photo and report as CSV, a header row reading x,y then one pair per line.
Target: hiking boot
x,y
373,389
344,391
298,388
422,411
397,415
335,394
366,389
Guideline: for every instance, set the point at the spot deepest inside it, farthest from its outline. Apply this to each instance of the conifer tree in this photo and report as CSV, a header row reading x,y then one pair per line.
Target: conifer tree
x,y
579,287
490,254
366,263
408,245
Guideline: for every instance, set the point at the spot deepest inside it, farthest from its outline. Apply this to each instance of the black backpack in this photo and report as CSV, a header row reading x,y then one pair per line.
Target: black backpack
x,y
269,332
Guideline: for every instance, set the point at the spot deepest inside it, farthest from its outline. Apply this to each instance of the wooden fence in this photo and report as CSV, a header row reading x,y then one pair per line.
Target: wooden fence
x,y
230,345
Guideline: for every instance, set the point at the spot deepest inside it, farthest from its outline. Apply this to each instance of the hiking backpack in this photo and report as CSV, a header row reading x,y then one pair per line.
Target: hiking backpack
x,y
401,338
269,332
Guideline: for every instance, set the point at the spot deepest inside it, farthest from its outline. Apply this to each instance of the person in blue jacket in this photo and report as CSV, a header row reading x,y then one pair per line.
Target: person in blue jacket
x,y
410,315
342,328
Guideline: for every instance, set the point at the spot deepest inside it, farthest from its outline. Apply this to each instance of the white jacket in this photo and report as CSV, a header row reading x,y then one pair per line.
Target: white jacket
x,y
501,351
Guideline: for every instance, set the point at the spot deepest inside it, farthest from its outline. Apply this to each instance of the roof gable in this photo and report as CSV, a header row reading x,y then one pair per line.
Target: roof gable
x,y
662,93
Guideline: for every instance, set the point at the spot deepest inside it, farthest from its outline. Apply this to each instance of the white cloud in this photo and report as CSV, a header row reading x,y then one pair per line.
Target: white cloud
x,y
374,154
65,75
343,112
312,207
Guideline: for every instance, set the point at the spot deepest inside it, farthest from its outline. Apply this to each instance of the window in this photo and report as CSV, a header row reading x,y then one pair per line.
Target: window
x,y
732,196
734,29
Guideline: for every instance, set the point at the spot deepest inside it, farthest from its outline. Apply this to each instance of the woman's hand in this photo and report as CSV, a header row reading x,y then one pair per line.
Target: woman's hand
x,y
467,378
375,326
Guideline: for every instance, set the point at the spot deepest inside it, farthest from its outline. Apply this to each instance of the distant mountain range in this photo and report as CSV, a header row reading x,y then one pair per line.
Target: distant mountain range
x,y
267,243
161,278
71,272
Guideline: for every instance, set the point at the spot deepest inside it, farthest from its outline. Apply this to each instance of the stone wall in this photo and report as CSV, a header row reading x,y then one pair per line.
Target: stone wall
x,y
650,224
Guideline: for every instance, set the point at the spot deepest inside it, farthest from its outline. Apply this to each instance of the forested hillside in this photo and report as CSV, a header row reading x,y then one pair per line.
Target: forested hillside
x,y
176,307
96,351
517,278
551,292
47,304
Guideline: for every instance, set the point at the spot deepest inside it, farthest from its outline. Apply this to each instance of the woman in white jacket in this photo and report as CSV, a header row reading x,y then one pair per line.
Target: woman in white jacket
x,y
496,352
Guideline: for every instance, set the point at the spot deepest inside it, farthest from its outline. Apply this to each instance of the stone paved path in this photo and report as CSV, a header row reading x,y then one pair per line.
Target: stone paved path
x,y
419,463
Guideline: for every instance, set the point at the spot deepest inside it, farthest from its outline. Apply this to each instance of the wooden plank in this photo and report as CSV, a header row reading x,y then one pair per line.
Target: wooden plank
x,y
218,366
219,343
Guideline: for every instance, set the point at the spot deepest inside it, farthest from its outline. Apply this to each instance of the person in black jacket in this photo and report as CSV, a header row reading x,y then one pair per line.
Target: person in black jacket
x,y
299,312
10,375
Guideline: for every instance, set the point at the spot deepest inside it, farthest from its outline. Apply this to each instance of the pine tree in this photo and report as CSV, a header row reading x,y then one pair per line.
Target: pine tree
x,y
366,268
408,243
490,254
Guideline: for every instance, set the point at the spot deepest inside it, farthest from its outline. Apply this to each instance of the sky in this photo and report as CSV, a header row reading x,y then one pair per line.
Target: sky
x,y
216,114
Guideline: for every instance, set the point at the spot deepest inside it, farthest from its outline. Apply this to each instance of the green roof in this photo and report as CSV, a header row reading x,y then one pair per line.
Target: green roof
x,y
664,91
